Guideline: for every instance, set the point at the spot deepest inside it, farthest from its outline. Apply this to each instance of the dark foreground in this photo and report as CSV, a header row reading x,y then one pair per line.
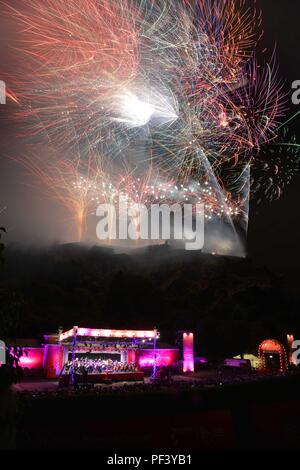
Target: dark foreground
x,y
257,415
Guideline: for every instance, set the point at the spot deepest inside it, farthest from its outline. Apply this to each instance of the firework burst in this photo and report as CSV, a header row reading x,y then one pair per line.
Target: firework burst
x,y
160,99
275,168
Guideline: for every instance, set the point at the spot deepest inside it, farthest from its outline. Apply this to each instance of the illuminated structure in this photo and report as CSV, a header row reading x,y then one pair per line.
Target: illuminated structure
x,y
106,333
188,352
118,345
272,356
138,347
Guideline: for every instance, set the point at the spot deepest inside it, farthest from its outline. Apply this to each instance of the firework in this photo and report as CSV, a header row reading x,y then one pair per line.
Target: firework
x,y
275,168
162,100
91,70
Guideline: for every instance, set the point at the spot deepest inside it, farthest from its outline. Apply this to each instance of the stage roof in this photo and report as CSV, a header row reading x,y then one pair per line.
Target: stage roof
x,y
107,333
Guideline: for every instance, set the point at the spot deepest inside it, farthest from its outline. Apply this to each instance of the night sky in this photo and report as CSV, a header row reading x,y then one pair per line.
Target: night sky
x,y
274,229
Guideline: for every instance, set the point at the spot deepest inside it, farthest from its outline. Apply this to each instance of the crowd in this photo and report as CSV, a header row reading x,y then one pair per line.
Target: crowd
x,y
175,384
97,366
155,386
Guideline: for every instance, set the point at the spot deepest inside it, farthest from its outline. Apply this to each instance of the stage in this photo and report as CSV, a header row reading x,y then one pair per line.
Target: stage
x,y
104,377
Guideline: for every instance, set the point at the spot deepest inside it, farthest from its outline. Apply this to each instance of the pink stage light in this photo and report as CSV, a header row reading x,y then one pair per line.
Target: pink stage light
x,y
33,359
188,352
164,357
26,361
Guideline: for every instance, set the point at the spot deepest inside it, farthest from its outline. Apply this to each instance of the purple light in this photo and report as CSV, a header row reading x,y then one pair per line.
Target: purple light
x,y
200,360
33,358
164,357
188,352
